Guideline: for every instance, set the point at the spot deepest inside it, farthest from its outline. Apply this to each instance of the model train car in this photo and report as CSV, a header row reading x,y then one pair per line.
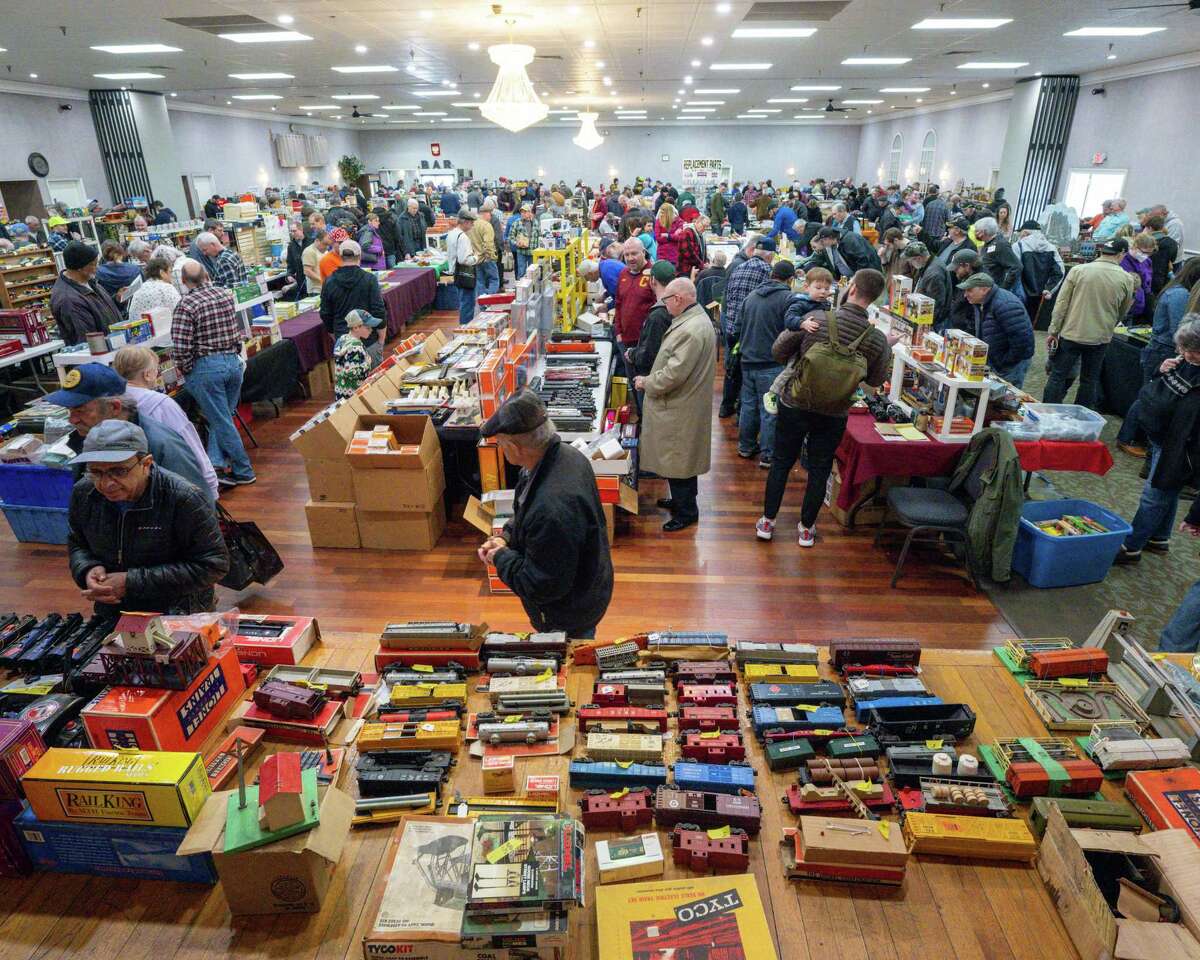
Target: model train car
x,y
864,707
788,754
751,651
708,809
853,748
822,693
810,798
714,747
780,672
707,695
703,672
624,810
499,731
947,721
864,687
429,735
398,673
1096,814
706,719
646,747
608,774
584,654
288,700
592,714
520,666
629,694
766,718
1076,662
553,644
617,656
433,635
711,777
698,850
903,653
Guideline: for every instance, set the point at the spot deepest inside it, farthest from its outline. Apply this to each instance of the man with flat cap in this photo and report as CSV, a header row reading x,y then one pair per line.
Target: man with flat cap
x,y
140,537
553,553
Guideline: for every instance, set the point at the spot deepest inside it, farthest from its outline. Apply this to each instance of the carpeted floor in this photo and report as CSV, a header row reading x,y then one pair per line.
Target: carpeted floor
x,y
1150,590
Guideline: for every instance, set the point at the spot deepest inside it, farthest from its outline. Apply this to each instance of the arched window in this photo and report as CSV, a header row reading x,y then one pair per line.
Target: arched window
x,y
928,149
893,171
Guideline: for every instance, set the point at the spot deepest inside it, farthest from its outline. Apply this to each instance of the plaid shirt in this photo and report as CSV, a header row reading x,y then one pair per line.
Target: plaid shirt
x,y
745,278
228,269
57,241
205,322
691,251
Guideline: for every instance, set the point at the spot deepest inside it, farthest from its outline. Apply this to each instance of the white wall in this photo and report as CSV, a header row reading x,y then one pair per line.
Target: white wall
x,y
1146,125
755,152
158,149
237,151
970,139
66,138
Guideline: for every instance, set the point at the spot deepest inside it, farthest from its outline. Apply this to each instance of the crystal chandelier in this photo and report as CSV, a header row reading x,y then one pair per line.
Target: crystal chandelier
x,y
513,103
588,136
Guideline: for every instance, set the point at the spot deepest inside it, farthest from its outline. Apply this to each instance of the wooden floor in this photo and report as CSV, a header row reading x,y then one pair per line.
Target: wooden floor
x,y
716,576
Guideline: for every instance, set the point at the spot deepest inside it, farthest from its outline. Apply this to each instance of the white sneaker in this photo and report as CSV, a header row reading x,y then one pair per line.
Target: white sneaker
x,y
764,529
808,535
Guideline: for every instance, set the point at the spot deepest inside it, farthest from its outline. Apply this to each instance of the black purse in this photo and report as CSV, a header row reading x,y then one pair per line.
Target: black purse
x,y
464,276
252,558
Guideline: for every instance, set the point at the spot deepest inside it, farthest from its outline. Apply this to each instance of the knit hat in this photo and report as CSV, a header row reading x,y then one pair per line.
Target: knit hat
x,y
689,213
77,254
1030,225
663,271
915,249
337,235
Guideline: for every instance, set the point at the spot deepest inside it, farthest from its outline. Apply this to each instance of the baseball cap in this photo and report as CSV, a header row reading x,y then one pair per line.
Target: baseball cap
x,y
783,270
112,441
959,223
520,413
355,317
86,382
964,256
1030,225
1114,246
977,280
765,243
829,233
350,248
663,271
916,249
465,214
56,221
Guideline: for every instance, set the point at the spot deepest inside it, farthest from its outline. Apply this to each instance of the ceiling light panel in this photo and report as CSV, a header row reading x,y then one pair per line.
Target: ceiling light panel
x,y
788,100
354,96
993,65
265,36
856,102
706,103
325,106
137,48
717,90
143,75
961,23
257,96
803,87
262,76
765,33
740,66
1114,31
436,93
765,110
904,90
875,61
368,68
403,106
430,113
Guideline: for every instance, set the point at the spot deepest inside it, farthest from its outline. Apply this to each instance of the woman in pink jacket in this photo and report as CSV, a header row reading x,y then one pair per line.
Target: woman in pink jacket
x,y
665,235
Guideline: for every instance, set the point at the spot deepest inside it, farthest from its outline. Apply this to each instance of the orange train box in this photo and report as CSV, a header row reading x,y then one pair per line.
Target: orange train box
x,y
144,718
271,639
156,789
1167,799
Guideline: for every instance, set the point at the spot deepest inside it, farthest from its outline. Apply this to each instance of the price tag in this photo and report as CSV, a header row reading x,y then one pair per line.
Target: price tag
x,y
624,764
863,786
502,851
1072,682
545,675
423,667
619,794
719,833
428,727
933,744
710,735
822,733
806,707
884,829
1158,656
515,718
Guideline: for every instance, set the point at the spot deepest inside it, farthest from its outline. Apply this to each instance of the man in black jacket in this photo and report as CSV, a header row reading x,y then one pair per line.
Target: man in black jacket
x,y
761,321
997,254
411,228
932,279
80,305
389,234
554,553
956,239
348,288
140,537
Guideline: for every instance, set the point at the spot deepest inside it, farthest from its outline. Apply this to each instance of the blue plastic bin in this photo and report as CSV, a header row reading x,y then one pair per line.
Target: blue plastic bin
x,y
30,485
37,524
1046,561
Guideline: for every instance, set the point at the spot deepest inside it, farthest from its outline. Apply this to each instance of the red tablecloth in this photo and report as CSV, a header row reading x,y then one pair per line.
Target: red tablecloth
x,y
864,456
414,291
312,342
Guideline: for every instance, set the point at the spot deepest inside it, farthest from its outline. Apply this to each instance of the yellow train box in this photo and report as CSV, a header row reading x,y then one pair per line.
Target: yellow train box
x,y
156,789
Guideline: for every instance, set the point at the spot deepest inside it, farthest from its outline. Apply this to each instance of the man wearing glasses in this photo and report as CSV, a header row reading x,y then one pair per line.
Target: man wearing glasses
x,y
140,537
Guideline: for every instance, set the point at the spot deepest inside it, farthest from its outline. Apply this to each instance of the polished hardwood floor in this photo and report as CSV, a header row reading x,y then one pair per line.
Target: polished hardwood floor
x,y
716,576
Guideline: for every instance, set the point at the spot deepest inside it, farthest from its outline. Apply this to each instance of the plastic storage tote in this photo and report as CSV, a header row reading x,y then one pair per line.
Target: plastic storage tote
x,y
1065,421
31,485
1022,431
37,524
1046,561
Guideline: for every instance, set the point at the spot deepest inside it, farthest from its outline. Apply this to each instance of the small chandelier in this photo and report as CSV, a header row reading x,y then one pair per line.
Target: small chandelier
x,y
513,103
588,136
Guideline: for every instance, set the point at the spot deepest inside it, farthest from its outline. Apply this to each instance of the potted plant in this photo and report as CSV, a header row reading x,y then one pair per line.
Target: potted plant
x,y
351,168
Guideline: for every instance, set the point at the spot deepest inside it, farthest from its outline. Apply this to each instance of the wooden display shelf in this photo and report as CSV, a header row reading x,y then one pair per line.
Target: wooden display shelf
x,y
14,279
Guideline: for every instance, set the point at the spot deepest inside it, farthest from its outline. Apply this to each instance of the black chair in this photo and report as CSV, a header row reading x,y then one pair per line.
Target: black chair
x,y
934,514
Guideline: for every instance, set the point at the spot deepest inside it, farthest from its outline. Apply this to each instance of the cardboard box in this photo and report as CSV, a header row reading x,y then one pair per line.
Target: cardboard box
x,y
498,774
542,787
400,491
106,786
872,513
319,381
629,858
143,718
20,747
112,850
491,466
325,436
290,875
330,479
414,434
1179,864
285,646
401,531
332,524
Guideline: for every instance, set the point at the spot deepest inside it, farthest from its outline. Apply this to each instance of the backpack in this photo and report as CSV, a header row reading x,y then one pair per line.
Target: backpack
x,y
826,377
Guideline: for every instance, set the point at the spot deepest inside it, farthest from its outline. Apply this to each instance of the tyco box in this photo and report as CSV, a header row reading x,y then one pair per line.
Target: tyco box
x,y
110,786
111,850
144,718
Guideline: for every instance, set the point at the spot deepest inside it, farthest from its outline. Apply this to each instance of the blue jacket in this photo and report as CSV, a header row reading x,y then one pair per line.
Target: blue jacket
x,y
1170,310
610,272
1001,322
738,215
761,320
785,223
450,203
800,307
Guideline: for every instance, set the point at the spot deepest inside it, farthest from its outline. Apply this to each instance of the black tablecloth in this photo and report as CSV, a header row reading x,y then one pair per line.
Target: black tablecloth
x,y
1121,375
272,374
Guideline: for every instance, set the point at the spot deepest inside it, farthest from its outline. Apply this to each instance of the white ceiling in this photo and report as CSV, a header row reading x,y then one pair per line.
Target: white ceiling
x,y
647,49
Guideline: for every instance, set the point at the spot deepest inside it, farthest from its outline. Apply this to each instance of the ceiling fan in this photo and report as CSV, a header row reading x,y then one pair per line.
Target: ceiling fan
x,y
356,114
1193,6
830,108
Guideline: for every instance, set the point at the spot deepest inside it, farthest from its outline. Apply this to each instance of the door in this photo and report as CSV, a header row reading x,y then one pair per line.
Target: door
x,y
202,188
69,191
1088,189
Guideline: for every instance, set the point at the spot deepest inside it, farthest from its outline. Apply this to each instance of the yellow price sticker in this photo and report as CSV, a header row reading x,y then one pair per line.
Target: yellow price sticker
x,y
710,735
619,794
545,675
933,744
423,667
822,733
1072,682
806,706
719,833
502,851
515,718
624,764
1158,656
884,829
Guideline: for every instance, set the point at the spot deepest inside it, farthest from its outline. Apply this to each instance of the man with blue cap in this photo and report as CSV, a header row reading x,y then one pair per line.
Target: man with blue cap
x,y
94,393
140,537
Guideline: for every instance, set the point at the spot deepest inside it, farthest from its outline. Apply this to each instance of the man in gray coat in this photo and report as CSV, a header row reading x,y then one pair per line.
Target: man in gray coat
x,y
677,415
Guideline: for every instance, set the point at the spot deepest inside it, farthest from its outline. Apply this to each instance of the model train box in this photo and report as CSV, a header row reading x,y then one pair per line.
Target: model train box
x,y
718,916
497,772
20,747
630,858
268,640
289,875
112,850
146,718
107,786
1168,799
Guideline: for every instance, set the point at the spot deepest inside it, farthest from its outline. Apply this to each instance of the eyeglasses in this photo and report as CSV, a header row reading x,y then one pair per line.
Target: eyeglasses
x,y
113,473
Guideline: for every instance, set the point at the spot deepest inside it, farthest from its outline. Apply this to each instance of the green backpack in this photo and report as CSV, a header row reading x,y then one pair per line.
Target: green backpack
x,y
825,378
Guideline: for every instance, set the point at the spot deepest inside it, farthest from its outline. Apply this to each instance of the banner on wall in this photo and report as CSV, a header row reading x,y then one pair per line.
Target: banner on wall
x,y
705,172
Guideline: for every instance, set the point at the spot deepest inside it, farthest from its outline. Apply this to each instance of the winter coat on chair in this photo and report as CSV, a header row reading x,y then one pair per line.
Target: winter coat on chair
x,y
677,414
989,474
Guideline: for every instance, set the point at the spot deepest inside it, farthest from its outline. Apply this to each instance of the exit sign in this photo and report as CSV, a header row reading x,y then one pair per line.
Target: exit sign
x,y
1099,158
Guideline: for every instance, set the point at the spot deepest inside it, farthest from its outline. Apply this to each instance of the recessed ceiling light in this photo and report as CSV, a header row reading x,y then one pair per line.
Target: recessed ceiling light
x,y
607,81
137,48
963,23
706,103
762,33
273,108
456,119
337,116
589,44
435,93
706,41
807,87
687,80
993,65
403,121
476,95
33,76
430,113
765,110
904,90
382,116
612,93
681,92
985,85
599,64
366,68
327,106
699,110
573,10
920,99
265,36
228,103
472,45
716,90
869,112
875,61
257,96
1111,56
354,96
1114,31
143,75
426,14
545,93
262,76
286,19
788,100
695,63
862,101
740,66
724,7
174,94
808,116
360,48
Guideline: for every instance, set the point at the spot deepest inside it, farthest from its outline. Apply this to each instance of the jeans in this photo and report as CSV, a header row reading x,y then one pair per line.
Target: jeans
x,y
1016,373
390,260
683,498
466,304
792,428
487,277
1151,359
521,260
733,374
215,383
1089,357
1182,634
1155,517
756,381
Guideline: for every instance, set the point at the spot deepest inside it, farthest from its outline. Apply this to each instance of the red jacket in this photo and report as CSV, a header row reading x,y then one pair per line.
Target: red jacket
x,y
667,240
635,297
599,209
690,252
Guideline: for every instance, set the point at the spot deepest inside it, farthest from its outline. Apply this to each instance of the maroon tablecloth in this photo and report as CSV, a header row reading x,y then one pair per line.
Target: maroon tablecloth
x,y
415,290
312,342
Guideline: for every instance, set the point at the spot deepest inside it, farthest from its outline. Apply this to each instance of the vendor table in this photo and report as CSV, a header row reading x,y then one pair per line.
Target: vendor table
x,y
1121,375
307,332
437,266
413,290
66,359
36,354
864,456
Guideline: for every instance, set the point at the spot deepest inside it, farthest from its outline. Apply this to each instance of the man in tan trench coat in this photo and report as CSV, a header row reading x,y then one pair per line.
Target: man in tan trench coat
x,y
677,414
